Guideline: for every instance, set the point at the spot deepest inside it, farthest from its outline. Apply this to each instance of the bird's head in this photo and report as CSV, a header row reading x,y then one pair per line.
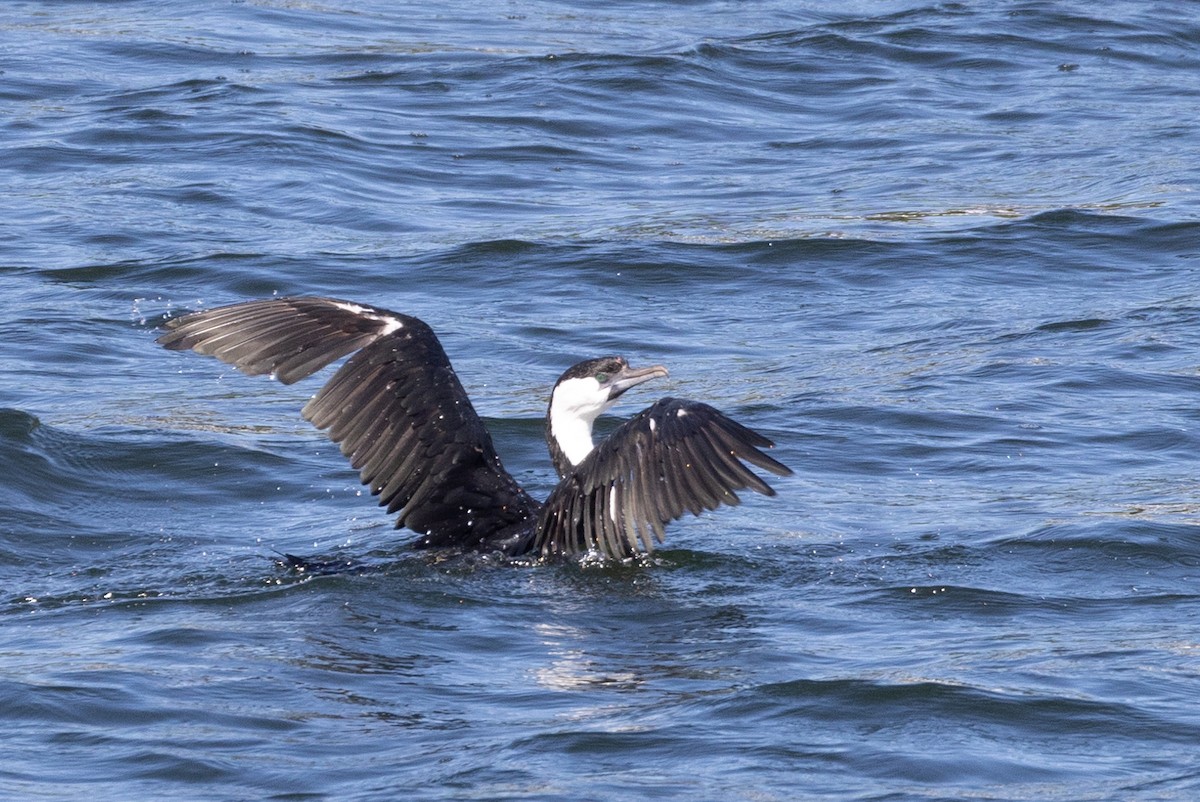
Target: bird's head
x,y
590,388
581,394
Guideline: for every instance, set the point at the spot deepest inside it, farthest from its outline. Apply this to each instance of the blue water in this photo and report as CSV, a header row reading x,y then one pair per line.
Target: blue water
x,y
946,255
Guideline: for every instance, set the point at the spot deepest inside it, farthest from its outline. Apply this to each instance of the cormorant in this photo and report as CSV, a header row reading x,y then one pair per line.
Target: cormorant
x,y
401,416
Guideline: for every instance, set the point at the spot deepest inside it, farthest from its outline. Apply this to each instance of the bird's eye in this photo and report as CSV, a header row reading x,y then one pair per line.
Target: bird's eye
x,y
602,377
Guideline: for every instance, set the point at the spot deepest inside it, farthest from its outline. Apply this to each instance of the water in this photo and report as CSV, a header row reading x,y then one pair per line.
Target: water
x,y
945,255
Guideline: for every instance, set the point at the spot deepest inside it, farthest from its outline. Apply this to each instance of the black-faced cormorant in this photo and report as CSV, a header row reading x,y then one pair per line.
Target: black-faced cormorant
x,y
401,416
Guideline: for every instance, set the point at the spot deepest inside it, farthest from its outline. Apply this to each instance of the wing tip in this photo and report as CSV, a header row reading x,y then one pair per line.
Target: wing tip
x,y
769,463
171,335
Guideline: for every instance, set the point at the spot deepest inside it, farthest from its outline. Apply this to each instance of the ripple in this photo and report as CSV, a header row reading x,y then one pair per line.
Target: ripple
x,y
943,254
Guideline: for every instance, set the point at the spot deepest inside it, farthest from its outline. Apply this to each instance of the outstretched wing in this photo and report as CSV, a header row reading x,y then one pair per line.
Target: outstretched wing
x,y
396,407
677,456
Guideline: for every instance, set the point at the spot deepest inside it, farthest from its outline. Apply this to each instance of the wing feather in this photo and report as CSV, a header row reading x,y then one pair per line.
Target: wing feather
x,y
673,458
710,475
260,336
396,408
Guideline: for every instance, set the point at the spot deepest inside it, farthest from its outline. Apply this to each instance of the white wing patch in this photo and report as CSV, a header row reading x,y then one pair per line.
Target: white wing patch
x,y
390,324
612,503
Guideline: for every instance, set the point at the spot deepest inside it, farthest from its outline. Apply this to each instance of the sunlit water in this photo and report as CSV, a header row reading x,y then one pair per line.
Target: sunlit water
x,y
945,255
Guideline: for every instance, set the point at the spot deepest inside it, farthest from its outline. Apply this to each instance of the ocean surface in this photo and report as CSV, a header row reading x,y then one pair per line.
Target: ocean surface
x,y
945,255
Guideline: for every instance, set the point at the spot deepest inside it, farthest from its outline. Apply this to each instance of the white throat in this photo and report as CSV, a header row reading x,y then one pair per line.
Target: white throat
x,y
574,437
573,409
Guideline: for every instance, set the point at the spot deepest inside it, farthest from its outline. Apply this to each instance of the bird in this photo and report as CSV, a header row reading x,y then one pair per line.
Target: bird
x,y
401,416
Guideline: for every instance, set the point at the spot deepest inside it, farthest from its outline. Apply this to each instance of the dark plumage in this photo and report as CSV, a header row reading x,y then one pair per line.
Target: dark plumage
x,y
405,422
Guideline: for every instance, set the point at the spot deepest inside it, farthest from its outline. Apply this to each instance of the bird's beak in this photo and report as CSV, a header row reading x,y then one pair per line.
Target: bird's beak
x,y
632,377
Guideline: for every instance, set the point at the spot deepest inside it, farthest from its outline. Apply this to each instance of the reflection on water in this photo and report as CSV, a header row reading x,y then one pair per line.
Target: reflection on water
x,y
571,668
